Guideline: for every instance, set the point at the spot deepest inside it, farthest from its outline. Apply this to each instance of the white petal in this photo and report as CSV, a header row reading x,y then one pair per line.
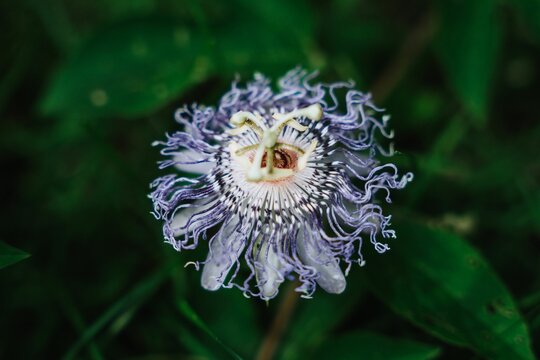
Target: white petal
x,y
183,215
315,253
267,271
192,156
225,248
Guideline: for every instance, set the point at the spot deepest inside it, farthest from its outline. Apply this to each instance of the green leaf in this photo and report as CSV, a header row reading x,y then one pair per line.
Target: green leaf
x,y
247,46
192,343
257,50
320,315
467,44
439,282
294,18
10,255
240,309
129,69
124,306
371,346
192,316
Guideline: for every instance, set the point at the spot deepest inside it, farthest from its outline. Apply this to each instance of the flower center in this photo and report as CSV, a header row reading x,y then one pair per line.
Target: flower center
x,y
270,159
283,159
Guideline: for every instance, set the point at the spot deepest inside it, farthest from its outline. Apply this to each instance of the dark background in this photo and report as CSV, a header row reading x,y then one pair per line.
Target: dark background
x,y
86,86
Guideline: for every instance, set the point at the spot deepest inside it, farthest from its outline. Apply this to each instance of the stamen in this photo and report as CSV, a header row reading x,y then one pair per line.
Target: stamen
x,y
245,120
260,170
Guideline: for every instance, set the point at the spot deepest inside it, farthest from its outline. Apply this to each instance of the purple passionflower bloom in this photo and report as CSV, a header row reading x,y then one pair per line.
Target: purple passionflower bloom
x,y
286,180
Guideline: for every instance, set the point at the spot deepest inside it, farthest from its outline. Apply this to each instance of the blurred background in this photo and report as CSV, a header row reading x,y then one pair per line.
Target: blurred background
x,y
86,86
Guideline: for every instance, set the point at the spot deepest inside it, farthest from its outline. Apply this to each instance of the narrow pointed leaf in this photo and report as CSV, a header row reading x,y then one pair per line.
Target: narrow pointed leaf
x,y
10,255
186,310
129,303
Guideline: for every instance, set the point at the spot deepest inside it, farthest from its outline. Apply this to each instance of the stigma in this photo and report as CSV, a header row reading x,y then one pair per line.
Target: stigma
x,y
271,160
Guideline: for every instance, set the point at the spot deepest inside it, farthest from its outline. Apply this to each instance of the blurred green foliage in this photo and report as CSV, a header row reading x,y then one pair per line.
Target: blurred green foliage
x,y
87,86
10,255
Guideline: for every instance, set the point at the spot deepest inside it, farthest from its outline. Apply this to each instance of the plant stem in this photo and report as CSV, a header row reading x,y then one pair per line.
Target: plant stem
x,y
279,325
412,46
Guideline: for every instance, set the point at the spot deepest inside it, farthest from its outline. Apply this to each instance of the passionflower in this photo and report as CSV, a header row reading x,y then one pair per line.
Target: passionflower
x,y
284,184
